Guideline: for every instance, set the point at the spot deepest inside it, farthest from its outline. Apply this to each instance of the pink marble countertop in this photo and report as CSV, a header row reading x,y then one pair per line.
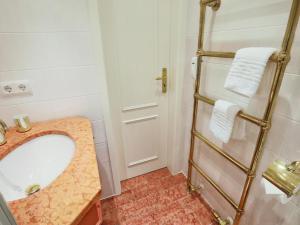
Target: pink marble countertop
x,y
73,191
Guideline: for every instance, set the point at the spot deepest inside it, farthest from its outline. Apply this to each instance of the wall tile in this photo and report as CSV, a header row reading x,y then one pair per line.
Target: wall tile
x,y
40,50
53,83
237,14
283,138
289,97
295,217
87,106
43,15
232,40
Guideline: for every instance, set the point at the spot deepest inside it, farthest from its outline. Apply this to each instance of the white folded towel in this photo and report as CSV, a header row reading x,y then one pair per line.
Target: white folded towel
x,y
247,69
222,119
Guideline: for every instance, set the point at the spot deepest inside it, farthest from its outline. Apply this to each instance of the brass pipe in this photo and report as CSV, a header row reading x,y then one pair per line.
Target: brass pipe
x,y
197,85
241,114
275,57
215,185
291,27
193,187
219,220
221,152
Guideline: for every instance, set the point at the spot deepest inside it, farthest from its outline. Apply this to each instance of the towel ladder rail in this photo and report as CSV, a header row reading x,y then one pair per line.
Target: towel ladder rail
x,y
281,59
275,57
245,116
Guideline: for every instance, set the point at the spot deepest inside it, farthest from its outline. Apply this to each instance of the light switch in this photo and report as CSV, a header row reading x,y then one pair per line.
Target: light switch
x,y
17,87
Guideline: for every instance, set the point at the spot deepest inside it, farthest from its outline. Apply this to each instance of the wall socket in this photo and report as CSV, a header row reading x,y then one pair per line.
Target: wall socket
x,y
17,87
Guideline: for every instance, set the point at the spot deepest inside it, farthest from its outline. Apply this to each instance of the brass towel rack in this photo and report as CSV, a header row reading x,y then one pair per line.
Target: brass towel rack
x,y
281,59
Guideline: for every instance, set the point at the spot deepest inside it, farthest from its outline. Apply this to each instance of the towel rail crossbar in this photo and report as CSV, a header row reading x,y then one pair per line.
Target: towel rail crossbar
x,y
214,147
250,118
281,59
275,57
215,185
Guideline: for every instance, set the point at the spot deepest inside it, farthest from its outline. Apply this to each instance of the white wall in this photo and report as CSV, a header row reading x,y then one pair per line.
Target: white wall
x,y
50,43
240,24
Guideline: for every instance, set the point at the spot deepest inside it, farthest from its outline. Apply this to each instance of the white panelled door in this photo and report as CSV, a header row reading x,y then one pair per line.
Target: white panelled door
x,y
143,36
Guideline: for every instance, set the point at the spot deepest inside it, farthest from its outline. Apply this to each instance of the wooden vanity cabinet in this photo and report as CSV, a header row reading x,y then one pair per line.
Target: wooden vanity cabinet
x,y
92,216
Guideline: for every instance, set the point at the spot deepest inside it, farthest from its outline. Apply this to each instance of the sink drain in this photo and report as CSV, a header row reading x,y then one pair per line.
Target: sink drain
x,y
32,189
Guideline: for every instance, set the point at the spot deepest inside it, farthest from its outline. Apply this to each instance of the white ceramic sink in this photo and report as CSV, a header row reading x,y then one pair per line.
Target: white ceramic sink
x,y
38,161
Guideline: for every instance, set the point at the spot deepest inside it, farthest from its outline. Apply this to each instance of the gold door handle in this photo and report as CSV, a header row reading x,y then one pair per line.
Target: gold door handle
x,y
164,80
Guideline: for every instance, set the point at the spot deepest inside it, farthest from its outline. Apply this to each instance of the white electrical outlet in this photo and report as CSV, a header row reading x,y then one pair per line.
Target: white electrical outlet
x,y
17,87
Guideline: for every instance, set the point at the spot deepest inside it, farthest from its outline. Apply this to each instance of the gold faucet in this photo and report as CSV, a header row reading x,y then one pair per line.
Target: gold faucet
x,y
3,129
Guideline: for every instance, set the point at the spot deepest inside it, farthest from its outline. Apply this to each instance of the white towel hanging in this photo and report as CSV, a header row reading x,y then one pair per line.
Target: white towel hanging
x,y
222,119
247,69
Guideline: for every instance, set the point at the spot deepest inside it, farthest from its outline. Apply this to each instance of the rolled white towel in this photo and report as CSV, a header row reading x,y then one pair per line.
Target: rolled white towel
x,y
222,119
247,69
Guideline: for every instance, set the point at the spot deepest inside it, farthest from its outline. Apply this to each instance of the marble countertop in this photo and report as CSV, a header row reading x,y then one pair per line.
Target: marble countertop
x,y
64,200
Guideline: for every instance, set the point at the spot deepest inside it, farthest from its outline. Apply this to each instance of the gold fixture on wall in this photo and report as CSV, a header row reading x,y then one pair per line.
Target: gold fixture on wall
x,y
284,176
164,80
3,129
281,59
2,136
22,123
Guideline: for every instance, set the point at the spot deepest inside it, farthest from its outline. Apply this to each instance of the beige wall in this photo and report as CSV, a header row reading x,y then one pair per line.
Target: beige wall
x,y
238,24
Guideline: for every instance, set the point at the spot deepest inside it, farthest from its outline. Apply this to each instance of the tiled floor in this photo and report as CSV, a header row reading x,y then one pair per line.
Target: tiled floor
x,y
156,198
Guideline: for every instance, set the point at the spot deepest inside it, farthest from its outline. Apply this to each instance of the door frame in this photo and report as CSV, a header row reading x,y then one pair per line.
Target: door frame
x,y
103,32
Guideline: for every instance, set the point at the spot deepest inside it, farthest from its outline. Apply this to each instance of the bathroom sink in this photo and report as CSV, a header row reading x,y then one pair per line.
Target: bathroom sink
x,y
38,161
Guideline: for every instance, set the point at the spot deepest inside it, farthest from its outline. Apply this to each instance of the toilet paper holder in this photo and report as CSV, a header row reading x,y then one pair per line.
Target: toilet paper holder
x,y
284,176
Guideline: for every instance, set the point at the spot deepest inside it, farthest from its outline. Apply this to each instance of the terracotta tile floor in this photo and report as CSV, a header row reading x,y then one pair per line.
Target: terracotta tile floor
x,y
156,198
